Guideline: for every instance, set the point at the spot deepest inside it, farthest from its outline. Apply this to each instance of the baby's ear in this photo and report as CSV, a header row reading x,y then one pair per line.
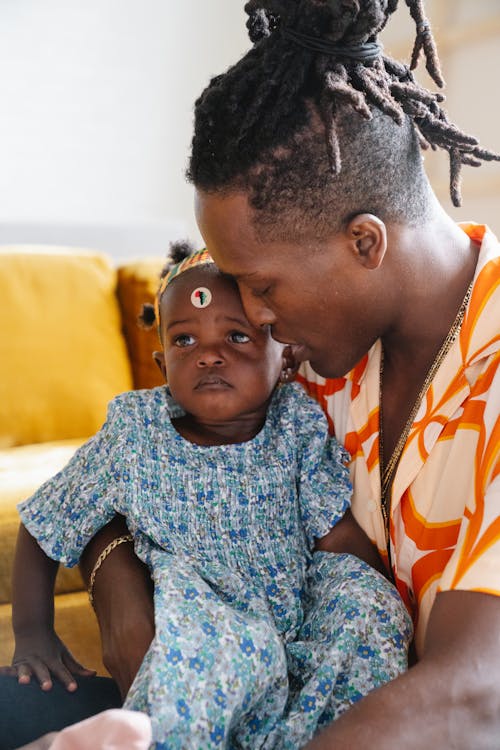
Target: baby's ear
x,y
159,358
290,365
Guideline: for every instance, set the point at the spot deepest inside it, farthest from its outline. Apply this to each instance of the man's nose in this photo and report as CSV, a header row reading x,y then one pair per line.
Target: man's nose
x,y
256,310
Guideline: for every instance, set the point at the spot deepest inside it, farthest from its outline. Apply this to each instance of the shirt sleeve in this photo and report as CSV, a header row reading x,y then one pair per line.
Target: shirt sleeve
x,y
475,562
324,485
68,509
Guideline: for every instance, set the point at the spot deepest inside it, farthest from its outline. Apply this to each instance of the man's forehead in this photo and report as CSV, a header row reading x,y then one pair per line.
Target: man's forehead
x,y
225,220
243,259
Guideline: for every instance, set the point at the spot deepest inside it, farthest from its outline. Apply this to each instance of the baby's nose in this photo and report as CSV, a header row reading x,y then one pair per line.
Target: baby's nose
x,y
210,358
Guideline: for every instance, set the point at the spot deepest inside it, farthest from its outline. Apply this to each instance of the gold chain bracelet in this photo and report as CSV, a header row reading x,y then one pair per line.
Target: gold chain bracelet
x,y
106,551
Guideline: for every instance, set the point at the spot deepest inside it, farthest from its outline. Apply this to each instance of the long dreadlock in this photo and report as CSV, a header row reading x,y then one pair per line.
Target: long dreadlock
x,y
255,125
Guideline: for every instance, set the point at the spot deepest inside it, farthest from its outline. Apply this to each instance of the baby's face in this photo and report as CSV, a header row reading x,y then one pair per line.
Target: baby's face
x,y
218,366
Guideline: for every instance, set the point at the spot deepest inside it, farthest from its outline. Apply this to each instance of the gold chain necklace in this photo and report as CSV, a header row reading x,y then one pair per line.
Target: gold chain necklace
x,y
387,472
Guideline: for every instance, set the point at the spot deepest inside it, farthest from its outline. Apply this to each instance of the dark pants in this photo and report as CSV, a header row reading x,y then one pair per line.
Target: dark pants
x,y
26,712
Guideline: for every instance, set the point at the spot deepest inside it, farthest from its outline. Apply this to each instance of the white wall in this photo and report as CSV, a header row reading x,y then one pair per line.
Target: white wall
x,y
467,34
96,102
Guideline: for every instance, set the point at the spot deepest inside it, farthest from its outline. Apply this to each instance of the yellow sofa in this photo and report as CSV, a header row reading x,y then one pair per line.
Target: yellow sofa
x,y
69,342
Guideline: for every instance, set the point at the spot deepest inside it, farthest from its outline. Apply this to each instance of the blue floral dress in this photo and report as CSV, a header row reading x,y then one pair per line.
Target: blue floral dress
x,y
259,640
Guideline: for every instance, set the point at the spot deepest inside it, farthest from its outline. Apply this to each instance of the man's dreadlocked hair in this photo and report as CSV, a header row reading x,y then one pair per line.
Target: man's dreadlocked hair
x,y
279,124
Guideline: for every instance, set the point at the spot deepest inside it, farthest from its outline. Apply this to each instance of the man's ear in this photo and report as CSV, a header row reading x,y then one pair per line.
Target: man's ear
x,y
159,358
290,365
367,235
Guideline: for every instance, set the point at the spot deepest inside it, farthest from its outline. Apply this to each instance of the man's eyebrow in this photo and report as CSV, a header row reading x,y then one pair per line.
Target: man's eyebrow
x,y
238,276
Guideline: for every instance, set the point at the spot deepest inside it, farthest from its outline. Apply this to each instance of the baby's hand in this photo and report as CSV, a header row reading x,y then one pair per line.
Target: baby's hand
x,y
42,654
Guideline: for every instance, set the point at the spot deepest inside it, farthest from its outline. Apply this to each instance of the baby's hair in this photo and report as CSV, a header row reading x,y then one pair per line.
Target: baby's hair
x,y
178,251
279,124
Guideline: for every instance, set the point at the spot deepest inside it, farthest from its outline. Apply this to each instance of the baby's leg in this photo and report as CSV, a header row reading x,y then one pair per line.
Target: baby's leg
x,y
208,668
355,637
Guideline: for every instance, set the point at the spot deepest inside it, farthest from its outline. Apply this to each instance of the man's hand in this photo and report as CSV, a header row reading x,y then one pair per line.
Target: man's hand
x,y
348,536
450,699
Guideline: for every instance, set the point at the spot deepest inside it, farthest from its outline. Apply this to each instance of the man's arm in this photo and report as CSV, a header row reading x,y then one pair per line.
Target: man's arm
x,y
348,536
450,699
123,601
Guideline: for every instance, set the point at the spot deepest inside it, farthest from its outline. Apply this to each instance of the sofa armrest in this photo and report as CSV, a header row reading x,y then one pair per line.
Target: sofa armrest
x,y
137,284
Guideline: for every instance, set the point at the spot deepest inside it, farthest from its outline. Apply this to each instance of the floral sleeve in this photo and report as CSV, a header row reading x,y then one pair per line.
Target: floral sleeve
x,y
324,485
68,509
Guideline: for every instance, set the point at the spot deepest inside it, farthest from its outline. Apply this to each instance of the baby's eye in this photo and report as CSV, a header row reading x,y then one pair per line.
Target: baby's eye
x,y
238,337
184,340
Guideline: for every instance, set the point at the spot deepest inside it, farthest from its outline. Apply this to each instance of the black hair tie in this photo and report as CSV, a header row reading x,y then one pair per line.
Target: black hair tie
x,y
365,53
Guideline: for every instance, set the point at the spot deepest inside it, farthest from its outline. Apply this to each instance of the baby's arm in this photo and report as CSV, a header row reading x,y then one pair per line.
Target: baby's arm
x,y
348,536
39,652
325,489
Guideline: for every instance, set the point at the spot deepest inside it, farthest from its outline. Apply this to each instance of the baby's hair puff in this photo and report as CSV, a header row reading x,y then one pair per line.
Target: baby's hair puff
x,y
179,251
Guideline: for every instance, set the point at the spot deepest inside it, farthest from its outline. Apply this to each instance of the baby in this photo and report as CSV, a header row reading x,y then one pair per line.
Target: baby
x,y
232,490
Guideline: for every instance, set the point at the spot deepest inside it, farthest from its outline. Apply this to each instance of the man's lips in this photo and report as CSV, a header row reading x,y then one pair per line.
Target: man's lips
x,y
209,382
300,352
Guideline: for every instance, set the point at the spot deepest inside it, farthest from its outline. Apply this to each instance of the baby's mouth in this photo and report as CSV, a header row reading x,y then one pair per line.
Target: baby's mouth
x,y
212,381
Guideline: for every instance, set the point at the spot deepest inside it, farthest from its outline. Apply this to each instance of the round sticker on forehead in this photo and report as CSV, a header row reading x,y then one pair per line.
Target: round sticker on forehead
x,y
201,297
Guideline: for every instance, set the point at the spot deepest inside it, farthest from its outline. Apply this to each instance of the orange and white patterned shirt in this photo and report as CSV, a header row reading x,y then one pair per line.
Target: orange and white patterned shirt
x,y
445,501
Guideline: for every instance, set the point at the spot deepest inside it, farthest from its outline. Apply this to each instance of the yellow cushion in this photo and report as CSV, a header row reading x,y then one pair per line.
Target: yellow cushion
x,y
138,283
62,352
22,470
